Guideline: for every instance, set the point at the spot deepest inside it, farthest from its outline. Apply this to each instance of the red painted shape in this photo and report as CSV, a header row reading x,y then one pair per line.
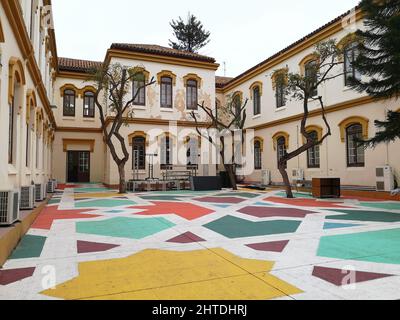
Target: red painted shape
x,y
187,237
86,246
340,277
45,219
306,203
275,246
267,212
14,275
185,210
232,200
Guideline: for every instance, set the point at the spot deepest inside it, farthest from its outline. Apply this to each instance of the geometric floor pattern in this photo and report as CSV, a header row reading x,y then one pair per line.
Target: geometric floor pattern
x,y
95,244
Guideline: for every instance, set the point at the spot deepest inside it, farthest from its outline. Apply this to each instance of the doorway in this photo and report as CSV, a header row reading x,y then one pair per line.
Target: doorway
x,y
78,166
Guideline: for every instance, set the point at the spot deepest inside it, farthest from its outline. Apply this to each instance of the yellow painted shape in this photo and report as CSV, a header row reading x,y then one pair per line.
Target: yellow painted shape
x,y
158,274
96,195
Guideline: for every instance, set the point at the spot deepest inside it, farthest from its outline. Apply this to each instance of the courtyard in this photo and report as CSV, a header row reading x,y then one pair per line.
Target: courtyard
x,y
90,242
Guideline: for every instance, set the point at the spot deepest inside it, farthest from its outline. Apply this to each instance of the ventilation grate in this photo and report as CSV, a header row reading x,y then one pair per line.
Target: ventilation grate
x,y
38,192
4,207
26,198
16,207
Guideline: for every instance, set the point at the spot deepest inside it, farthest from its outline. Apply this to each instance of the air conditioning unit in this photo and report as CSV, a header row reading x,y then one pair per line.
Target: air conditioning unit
x,y
55,183
298,174
51,186
9,207
27,201
266,177
384,179
39,192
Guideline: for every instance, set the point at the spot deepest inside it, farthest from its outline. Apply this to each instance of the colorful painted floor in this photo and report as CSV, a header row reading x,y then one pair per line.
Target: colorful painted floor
x,y
92,243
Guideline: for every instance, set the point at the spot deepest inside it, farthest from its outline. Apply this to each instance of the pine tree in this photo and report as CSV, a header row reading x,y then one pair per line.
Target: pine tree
x,y
191,35
379,61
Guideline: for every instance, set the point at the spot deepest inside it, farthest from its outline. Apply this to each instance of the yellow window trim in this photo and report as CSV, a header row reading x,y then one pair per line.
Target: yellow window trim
x,y
311,128
364,122
16,73
256,84
138,134
166,73
278,135
282,71
192,76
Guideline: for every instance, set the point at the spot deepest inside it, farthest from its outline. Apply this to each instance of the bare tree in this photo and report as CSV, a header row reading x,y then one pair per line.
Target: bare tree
x,y
114,101
302,87
225,120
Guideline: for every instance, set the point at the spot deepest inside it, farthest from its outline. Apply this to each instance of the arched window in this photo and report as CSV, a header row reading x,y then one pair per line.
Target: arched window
x,y
257,155
166,92
313,154
351,53
139,90
256,101
191,95
88,105
166,153
355,152
139,153
281,147
69,103
310,72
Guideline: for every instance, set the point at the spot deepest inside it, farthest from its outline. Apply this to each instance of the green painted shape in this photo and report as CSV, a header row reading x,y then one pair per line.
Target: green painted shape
x,y
92,190
104,203
361,215
377,246
238,194
296,195
122,227
382,205
29,247
54,201
163,198
233,227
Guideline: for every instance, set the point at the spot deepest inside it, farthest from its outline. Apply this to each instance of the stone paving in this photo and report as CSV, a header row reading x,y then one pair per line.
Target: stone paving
x,y
92,243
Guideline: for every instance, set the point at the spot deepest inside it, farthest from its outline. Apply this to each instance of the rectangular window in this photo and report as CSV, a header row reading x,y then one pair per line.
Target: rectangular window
x,y
69,103
140,91
257,101
166,153
88,105
11,132
139,153
280,95
350,55
166,92
191,95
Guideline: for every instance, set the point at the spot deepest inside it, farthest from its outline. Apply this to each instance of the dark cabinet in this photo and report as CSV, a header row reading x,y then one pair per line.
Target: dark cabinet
x,y
326,188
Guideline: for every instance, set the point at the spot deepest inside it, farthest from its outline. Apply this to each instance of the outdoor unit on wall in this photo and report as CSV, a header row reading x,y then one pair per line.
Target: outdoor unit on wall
x,y
266,177
27,198
298,174
51,186
9,207
39,192
55,183
384,179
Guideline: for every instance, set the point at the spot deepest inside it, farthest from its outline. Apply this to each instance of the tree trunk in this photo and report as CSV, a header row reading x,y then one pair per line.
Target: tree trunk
x,y
122,182
231,175
286,181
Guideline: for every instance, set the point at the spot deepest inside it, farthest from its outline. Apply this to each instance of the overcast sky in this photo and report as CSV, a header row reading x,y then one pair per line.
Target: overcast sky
x,y
243,33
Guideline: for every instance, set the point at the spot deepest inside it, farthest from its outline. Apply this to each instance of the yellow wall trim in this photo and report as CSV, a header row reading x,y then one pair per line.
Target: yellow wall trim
x,y
353,120
87,142
31,102
312,128
137,134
